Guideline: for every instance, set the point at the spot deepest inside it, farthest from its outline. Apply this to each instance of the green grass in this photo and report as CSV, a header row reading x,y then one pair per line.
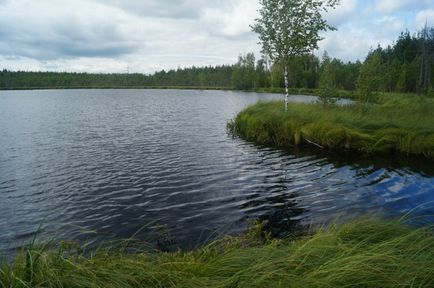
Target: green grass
x,y
397,123
363,253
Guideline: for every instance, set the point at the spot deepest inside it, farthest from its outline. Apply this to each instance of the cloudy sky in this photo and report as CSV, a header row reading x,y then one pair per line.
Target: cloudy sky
x,y
149,35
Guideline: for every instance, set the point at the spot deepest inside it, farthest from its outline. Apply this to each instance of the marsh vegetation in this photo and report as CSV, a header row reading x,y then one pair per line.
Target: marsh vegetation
x,y
396,124
363,253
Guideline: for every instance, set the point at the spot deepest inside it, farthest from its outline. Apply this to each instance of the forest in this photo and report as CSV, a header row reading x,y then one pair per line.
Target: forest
x,y
406,66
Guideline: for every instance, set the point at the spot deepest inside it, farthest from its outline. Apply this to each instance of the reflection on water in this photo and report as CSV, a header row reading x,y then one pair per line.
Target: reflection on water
x,y
103,164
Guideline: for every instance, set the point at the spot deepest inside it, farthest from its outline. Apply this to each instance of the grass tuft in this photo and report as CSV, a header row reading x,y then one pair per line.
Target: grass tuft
x,y
398,124
362,253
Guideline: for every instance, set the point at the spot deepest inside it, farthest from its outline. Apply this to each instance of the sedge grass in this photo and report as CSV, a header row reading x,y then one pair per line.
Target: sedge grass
x,y
362,253
403,124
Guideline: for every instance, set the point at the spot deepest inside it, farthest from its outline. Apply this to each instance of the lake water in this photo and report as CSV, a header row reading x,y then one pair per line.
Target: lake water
x,y
104,164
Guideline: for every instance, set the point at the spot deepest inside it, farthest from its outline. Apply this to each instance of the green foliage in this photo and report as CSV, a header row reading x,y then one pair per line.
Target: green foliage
x,y
369,80
291,28
206,77
426,49
362,253
327,83
262,78
398,123
243,75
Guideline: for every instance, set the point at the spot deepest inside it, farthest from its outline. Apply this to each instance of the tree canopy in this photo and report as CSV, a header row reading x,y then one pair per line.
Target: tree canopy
x,y
290,28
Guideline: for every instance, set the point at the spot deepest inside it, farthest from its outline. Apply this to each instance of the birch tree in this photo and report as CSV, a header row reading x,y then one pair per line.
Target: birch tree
x,y
289,28
426,37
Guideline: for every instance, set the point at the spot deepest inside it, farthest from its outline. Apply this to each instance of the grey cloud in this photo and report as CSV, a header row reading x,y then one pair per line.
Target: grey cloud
x,y
43,39
49,50
50,30
346,11
180,9
147,35
59,46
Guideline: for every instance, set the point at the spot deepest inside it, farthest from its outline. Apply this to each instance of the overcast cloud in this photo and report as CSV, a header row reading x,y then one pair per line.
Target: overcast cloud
x,y
149,35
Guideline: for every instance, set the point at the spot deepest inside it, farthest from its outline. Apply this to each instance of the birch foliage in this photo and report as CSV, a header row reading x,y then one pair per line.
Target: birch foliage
x,y
288,28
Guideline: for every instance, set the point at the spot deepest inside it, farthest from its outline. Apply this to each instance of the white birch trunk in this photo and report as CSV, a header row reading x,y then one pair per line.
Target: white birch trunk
x,y
286,87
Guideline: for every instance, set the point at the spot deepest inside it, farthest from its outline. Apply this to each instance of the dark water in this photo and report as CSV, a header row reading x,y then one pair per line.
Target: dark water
x,y
102,164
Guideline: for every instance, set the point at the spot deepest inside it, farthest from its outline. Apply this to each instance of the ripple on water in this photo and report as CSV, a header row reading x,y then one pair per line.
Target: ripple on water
x,y
103,164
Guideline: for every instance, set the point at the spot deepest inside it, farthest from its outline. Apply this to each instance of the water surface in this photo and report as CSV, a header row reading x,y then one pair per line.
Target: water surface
x,y
102,164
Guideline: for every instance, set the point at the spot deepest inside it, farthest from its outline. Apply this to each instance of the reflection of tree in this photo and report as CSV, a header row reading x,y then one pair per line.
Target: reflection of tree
x,y
362,161
284,220
277,207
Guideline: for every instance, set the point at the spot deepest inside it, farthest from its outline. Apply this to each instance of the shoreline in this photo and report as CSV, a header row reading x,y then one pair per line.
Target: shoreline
x,y
298,91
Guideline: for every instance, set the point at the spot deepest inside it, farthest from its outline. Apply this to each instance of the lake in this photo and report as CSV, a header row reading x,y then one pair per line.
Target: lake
x,y
100,165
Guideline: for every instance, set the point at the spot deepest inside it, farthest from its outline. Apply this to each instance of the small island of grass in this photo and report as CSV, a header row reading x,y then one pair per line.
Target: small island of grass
x,y
396,123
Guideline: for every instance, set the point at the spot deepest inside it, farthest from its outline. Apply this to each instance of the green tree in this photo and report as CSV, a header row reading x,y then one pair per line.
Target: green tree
x,y
290,28
426,45
276,75
327,82
243,76
369,80
261,74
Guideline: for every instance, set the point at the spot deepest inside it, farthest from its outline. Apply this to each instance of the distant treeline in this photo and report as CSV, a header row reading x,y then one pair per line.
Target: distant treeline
x,y
403,67
197,77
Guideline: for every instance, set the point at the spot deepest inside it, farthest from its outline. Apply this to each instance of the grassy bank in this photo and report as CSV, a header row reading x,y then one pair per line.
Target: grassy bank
x,y
364,253
398,123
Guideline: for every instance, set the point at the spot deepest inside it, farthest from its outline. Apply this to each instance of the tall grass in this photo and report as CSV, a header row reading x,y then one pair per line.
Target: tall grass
x,y
398,123
364,253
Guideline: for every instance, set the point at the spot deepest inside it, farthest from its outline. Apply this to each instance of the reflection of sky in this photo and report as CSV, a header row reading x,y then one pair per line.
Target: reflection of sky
x,y
388,192
403,194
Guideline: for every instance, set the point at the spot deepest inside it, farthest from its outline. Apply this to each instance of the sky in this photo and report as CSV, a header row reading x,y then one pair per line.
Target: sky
x,y
144,36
